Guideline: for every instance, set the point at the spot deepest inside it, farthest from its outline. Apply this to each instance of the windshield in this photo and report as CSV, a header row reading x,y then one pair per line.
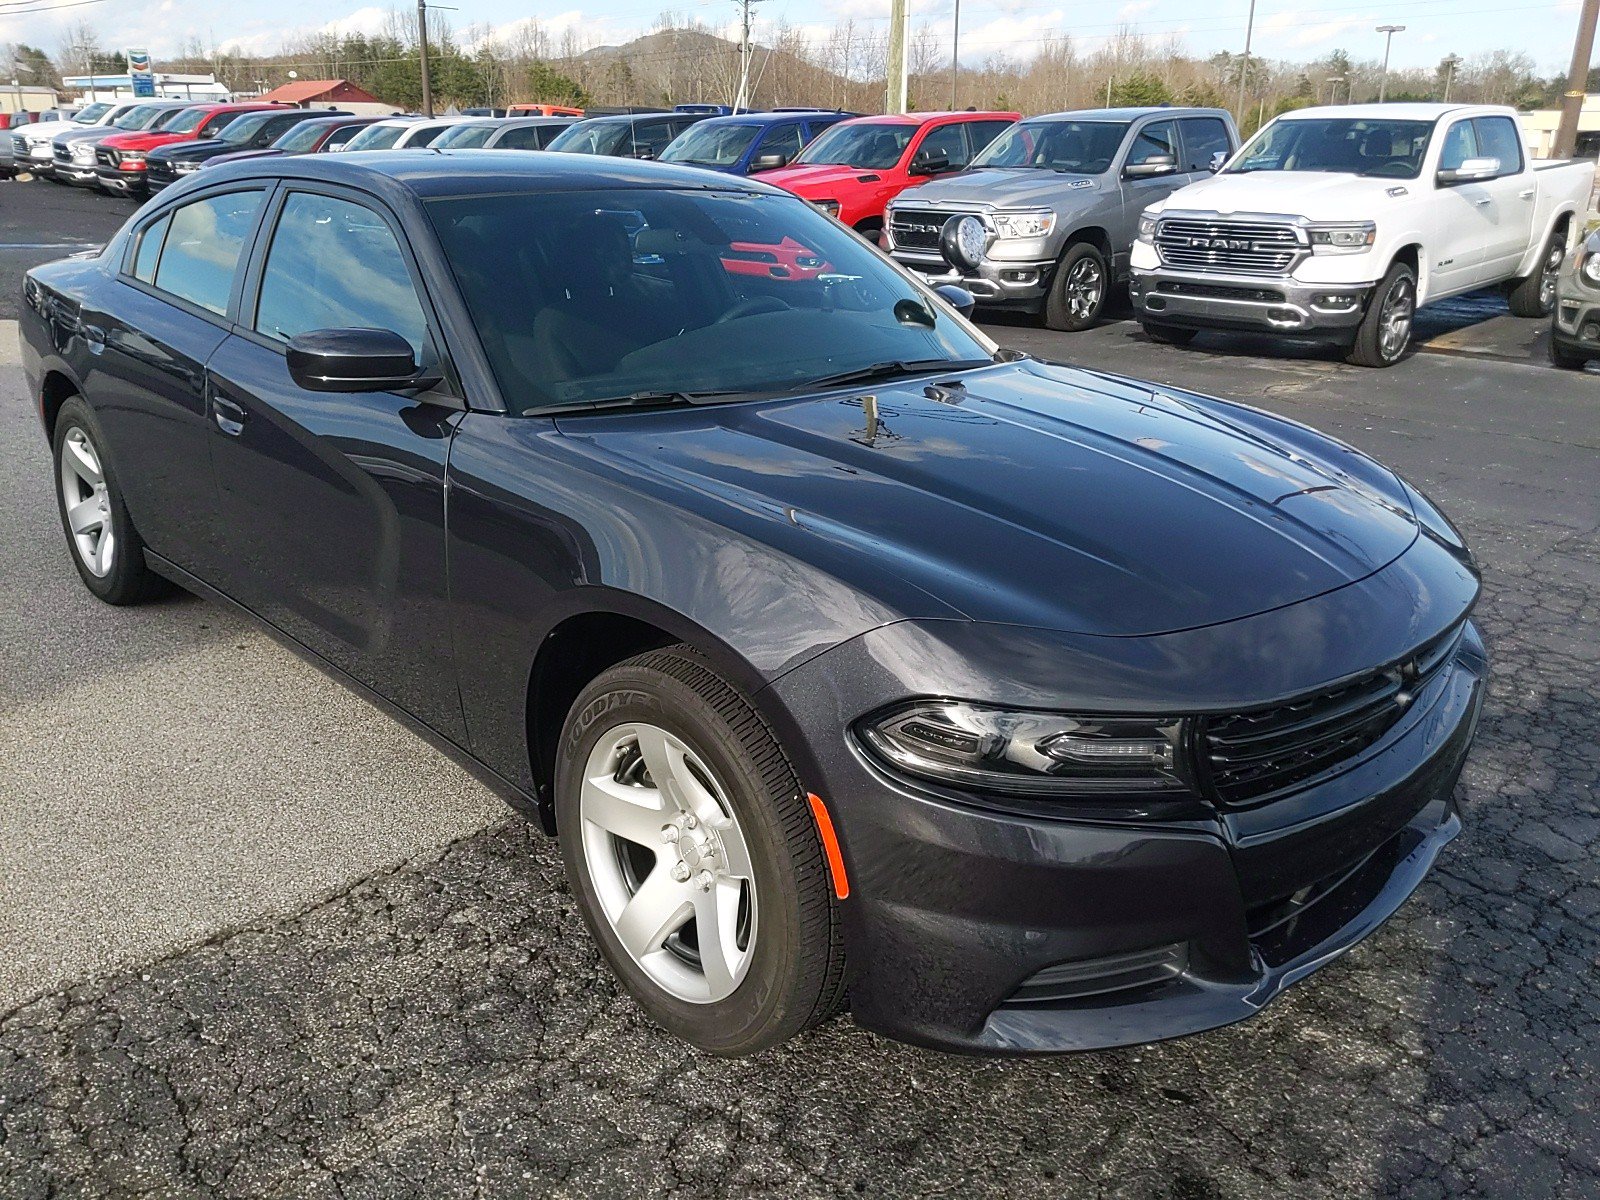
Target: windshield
x,y
165,117
188,120
587,296
91,114
1384,148
1081,147
592,137
465,137
376,137
711,145
137,118
869,145
300,137
242,130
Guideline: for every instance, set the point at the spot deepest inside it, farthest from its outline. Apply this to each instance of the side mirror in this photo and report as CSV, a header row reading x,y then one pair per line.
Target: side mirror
x,y
645,153
355,360
957,298
1218,161
1156,164
1470,171
769,162
930,164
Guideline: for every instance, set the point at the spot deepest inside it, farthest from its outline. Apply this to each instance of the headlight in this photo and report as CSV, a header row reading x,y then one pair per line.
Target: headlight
x,y
831,207
183,167
1589,266
1026,753
1354,238
1024,225
131,156
1147,230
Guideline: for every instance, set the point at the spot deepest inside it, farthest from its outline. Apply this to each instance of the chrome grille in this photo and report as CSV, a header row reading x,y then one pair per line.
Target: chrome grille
x,y
106,158
1249,755
917,229
1232,247
62,153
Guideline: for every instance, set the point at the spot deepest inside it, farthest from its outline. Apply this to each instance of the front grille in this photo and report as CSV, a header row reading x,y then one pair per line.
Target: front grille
x,y
62,153
162,171
1230,247
1246,756
107,158
1217,291
915,229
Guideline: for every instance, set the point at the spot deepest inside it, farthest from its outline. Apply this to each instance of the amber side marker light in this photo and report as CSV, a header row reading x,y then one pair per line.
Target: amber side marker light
x,y
830,845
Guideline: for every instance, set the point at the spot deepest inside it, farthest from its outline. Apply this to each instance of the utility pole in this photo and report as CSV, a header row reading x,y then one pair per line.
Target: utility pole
x,y
1388,32
1244,67
746,50
422,47
955,55
1577,79
898,86
1450,64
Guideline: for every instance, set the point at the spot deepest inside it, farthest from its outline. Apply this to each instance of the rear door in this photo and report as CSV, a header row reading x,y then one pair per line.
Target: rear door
x,y
333,503
1511,198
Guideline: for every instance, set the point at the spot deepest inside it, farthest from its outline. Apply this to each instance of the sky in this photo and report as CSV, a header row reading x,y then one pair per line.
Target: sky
x,y
1297,31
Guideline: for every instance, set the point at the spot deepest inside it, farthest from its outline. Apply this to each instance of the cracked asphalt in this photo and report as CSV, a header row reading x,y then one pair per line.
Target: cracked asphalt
x,y
428,1017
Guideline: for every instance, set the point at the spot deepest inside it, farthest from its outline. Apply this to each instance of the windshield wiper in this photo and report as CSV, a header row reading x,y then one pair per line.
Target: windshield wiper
x,y
896,369
644,399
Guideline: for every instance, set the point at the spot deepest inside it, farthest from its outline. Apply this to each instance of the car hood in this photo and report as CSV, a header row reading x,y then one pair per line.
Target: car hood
x,y
1008,189
819,182
194,150
1318,195
145,141
1038,495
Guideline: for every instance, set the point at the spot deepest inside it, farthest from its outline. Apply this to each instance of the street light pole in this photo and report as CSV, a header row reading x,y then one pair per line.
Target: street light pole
x,y
1333,91
955,55
1388,32
1244,67
1451,62
1577,78
422,47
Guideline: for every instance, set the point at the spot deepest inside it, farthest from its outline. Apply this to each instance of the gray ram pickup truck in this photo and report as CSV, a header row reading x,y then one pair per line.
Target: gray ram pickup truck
x,y
1044,217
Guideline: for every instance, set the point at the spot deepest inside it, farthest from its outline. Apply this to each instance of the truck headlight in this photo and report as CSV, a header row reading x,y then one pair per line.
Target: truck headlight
x,y
1023,224
131,156
1589,266
831,207
1147,230
1357,237
184,167
975,746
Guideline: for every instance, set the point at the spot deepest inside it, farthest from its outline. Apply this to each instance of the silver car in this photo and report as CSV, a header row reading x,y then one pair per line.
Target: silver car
x,y
1575,325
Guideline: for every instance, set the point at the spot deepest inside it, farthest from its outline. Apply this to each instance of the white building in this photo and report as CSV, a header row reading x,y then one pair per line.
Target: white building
x,y
168,86
1539,129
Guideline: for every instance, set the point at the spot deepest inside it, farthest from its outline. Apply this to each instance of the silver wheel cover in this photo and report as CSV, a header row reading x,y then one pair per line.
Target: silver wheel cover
x,y
1085,282
1394,318
669,863
88,507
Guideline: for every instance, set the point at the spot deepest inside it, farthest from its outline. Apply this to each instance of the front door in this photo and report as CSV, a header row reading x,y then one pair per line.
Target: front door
x,y
334,502
1158,139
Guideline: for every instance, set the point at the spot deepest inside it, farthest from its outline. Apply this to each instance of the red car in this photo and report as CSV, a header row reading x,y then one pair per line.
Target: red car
x,y
855,168
119,164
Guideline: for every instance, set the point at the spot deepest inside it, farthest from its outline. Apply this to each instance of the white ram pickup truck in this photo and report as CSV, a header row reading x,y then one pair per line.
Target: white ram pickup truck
x,y
1339,223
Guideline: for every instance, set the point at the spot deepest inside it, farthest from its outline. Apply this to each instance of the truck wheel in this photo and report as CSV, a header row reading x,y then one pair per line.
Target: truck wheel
x,y
1078,291
1168,335
1535,295
1566,359
694,856
1385,332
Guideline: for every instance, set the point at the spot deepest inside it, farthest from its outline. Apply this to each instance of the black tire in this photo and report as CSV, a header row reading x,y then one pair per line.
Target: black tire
x,y
128,579
1567,360
1168,335
1534,295
795,976
1370,347
1065,307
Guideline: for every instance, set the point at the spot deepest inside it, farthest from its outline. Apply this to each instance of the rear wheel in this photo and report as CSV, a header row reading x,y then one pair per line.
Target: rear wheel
x,y
1171,335
1535,295
1078,290
1385,332
694,856
105,547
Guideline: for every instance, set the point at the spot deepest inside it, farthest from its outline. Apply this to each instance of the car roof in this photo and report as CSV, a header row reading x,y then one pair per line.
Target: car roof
x,y
401,174
776,118
1393,112
922,118
646,118
1127,114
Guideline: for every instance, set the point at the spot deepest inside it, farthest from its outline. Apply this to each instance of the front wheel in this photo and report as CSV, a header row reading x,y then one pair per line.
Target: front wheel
x,y
1566,359
1078,290
1385,332
694,856
1535,295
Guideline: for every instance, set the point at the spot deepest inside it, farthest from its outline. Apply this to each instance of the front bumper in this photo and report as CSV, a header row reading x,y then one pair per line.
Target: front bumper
x,y
997,284
43,166
971,926
123,183
1576,327
79,174
1276,303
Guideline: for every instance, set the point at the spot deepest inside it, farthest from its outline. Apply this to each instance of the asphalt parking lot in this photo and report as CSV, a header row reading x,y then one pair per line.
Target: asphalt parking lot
x,y
261,942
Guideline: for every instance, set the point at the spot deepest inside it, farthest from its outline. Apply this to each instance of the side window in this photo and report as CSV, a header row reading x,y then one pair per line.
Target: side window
x,y
784,140
336,265
524,138
217,124
948,140
203,244
149,249
342,135
1157,140
1203,138
1460,144
653,138
1498,138
984,132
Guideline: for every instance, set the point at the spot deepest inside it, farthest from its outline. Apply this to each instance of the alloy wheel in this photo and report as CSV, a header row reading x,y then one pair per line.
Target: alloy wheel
x,y
669,863
1399,306
1085,283
87,503
1551,273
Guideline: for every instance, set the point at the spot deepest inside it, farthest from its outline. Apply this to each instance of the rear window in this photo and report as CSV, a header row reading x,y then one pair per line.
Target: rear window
x,y
201,252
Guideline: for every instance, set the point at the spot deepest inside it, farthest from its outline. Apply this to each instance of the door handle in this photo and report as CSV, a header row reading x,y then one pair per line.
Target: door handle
x,y
94,336
1527,195
230,417
1483,201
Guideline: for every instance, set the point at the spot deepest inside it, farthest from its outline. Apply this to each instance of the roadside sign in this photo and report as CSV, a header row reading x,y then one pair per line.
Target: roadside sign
x,y
139,72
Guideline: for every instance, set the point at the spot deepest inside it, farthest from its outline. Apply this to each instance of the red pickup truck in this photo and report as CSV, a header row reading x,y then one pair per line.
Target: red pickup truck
x,y
856,167
119,164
